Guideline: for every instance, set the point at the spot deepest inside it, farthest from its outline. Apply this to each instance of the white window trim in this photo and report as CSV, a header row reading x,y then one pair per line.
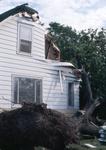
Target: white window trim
x,y
37,25
13,76
18,39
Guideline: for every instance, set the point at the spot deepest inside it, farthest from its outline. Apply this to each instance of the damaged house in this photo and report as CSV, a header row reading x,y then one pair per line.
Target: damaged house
x,y
30,67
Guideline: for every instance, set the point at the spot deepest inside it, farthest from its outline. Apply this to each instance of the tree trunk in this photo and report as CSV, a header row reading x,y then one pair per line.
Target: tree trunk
x,y
94,109
90,124
85,91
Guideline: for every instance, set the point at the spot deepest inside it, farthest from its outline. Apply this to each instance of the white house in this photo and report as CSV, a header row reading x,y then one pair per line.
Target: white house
x,y
26,74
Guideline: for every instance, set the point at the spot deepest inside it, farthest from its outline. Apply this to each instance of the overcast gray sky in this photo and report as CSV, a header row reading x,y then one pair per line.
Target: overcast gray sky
x,y
80,14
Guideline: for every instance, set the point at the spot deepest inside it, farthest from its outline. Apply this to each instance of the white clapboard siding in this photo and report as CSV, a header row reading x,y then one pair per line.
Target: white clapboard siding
x,y
18,68
17,60
38,37
8,38
32,64
10,51
9,34
7,29
14,64
9,25
5,76
10,42
6,47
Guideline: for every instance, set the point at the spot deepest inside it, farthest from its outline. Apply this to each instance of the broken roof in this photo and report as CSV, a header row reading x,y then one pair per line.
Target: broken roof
x,y
49,38
20,8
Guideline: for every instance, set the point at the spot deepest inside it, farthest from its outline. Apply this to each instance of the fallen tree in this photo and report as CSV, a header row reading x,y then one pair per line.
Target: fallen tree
x,y
35,125
88,124
94,117
86,98
95,112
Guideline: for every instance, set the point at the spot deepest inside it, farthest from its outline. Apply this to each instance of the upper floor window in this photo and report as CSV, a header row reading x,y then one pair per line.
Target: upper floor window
x,y
24,38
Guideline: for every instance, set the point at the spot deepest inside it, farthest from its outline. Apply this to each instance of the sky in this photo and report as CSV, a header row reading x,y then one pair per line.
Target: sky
x,y
79,14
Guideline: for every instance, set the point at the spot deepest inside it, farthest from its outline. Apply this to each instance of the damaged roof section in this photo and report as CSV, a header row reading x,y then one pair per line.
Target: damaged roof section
x,y
51,50
21,8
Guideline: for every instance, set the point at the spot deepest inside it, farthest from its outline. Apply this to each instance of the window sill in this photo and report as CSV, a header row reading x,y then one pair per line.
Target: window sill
x,y
24,54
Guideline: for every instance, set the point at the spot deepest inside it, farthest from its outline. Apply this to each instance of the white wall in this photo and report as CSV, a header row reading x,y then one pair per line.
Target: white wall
x,y
13,63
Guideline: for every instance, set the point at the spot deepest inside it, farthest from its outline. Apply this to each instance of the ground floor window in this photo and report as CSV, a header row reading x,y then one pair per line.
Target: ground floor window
x,y
27,90
70,94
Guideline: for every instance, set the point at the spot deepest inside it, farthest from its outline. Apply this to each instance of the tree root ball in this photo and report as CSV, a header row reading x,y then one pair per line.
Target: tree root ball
x,y
35,125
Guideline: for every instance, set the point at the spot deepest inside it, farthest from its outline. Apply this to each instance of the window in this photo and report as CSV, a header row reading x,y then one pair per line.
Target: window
x,y
27,90
70,94
24,38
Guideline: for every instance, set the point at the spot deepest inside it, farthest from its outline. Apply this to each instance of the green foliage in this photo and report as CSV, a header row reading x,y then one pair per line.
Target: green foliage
x,y
66,39
85,48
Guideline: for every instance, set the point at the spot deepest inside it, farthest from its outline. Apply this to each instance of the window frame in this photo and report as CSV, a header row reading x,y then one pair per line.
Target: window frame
x,y
27,77
18,38
71,96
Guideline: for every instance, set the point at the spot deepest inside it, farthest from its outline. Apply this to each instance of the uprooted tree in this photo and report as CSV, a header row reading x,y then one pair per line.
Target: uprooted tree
x,y
94,117
95,112
35,125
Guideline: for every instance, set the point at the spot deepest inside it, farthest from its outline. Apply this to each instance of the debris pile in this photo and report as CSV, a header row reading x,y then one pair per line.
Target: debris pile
x,y
35,125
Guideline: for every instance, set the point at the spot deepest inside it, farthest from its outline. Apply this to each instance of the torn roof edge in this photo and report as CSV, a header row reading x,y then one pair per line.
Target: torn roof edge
x,y
16,10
